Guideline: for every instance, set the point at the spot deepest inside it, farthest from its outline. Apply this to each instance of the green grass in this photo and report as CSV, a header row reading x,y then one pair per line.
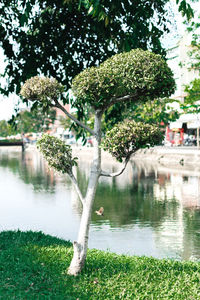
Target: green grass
x,y
34,266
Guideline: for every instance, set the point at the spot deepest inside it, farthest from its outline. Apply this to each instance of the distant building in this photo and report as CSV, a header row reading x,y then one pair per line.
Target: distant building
x,y
179,60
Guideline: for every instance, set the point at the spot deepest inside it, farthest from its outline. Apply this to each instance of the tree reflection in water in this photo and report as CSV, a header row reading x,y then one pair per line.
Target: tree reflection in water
x,y
30,168
158,198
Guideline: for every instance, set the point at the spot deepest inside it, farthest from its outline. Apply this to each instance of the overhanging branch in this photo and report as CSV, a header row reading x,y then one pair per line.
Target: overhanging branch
x,y
106,174
75,183
114,100
58,105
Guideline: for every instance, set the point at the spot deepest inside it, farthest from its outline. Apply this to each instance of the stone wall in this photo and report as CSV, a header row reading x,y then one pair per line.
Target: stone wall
x,y
170,155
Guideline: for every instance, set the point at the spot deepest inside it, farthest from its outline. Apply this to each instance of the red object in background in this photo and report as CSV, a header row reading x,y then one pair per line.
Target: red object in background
x,y
167,133
170,135
181,134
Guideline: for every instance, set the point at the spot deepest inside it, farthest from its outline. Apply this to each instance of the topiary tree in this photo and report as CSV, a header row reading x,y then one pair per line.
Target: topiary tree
x,y
136,76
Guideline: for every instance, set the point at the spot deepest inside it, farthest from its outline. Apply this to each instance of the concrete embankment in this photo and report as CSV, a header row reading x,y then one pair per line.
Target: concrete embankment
x,y
186,156
166,156
177,158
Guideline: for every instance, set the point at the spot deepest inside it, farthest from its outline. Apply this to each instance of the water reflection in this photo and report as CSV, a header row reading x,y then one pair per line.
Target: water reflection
x,y
149,210
30,168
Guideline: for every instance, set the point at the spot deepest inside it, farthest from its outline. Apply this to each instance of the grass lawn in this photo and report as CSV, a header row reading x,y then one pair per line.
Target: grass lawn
x,y
34,266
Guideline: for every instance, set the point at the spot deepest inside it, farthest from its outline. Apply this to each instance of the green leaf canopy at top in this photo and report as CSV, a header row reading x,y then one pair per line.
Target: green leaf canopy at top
x,y
138,75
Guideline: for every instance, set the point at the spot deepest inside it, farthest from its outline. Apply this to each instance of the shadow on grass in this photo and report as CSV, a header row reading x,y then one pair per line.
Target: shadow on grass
x,y
33,264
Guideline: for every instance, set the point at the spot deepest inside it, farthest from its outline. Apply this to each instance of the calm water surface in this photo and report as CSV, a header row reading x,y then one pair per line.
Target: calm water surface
x,y
149,210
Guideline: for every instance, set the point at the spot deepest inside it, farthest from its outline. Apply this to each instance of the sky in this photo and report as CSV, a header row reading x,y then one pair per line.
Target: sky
x,y
7,105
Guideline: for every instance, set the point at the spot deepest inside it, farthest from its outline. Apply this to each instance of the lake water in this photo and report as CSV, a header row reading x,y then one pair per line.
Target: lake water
x,y
149,210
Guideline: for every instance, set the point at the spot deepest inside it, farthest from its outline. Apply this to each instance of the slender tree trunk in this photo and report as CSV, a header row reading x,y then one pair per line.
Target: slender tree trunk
x,y
81,245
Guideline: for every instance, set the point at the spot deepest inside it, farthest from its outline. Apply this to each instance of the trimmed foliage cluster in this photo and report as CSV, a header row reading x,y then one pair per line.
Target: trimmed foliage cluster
x,y
42,89
57,153
127,137
140,74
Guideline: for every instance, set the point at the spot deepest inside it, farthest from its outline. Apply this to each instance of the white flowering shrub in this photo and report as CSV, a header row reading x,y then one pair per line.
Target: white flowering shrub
x,y
139,73
130,136
42,89
57,153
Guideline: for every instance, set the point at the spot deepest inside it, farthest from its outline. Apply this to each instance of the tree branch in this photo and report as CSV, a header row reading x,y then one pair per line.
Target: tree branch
x,y
58,105
106,174
75,183
114,100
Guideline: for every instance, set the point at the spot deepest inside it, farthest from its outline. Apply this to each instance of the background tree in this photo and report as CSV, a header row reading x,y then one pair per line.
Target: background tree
x,y
194,28
193,91
35,120
6,129
98,10
153,112
28,121
136,76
